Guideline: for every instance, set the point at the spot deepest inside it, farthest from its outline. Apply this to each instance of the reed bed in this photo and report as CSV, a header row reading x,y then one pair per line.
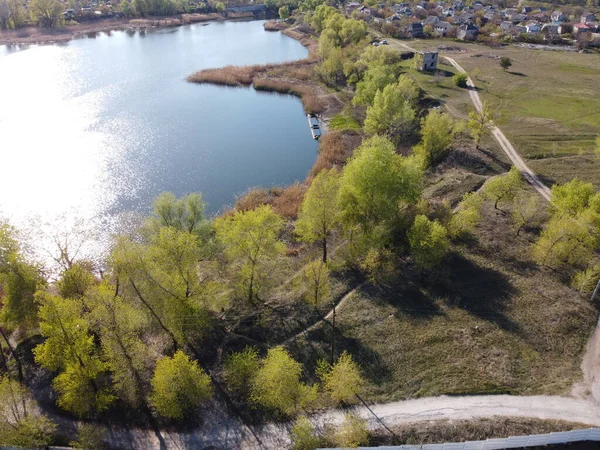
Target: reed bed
x,y
335,147
274,25
228,75
173,21
284,201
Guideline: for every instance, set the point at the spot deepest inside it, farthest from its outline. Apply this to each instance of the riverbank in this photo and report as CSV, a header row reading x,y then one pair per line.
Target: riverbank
x,y
36,35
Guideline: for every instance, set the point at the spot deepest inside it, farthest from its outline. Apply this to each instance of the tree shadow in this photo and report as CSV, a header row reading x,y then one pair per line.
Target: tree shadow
x,y
481,291
519,74
403,295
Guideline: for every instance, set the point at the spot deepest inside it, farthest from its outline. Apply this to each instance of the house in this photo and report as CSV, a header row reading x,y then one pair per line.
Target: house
x,y
581,28
587,18
526,10
519,18
533,27
431,21
551,29
448,12
351,7
444,29
430,60
506,26
519,29
467,32
557,16
414,30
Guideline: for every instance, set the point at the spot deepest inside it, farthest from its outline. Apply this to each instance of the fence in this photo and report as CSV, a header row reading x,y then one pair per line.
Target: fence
x,y
564,437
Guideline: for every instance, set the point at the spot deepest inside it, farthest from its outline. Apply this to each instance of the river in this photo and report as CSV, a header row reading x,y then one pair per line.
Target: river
x,y
97,127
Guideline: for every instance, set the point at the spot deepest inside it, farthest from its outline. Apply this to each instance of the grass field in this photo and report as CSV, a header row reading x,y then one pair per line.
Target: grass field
x,y
548,103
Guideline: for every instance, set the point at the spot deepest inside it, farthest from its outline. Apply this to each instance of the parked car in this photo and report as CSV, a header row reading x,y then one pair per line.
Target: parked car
x,y
384,42
375,44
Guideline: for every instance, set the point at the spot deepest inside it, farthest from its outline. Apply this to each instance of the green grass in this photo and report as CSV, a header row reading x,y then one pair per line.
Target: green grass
x,y
548,102
343,121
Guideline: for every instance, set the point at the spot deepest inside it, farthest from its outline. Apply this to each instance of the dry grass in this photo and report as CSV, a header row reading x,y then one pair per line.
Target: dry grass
x,y
313,104
173,21
434,432
275,25
285,201
228,75
335,148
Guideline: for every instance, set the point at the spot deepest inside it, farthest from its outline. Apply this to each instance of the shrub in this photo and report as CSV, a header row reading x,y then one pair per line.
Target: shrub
x,y
460,79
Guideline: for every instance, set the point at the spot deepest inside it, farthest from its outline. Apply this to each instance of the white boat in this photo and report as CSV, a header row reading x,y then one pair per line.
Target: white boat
x,y
313,124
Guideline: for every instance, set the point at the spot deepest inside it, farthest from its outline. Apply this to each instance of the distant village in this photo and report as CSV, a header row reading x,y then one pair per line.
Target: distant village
x,y
482,21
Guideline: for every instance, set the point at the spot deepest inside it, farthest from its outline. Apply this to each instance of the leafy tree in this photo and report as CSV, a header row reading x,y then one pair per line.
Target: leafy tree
x,y
503,187
185,214
21,423
219,7
572,198
277,383
480,122
428,242
343,380
75,281
438,130
16,12
178,385
240,368
585,281
321,15
375,79
525,212
391,113
467,215
460,79
90,436
353,31
284,12
319,213
353,432
505,62
374,183
119,326
47,13
69,349
316,280
303,435
251,236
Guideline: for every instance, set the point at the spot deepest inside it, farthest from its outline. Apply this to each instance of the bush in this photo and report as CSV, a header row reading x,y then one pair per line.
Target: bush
x,y
585,281
460,80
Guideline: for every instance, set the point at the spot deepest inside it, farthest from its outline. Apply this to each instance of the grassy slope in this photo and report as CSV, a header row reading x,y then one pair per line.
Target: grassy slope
x,y
548,104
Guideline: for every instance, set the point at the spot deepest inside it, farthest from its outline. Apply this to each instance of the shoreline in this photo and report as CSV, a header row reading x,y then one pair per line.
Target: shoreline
x,y
34,35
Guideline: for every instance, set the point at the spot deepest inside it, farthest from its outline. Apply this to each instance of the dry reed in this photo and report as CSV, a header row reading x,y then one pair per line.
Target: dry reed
x,y
274,25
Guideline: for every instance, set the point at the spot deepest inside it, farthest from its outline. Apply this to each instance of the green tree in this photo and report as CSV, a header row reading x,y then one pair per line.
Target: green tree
x,y
185,214
375,79
178,386
47,13
438,130
316,281
321,15
505,62
391,113
21,423
277,384
119,326
353,432
374,183
526,212
586,280
251,236
284,12
460,79
69,349
319,214
343,380
90,436
240,368
428,242
220,7
481,122
17,13
353,31
303,435
573,197
503,187
75,281
467,215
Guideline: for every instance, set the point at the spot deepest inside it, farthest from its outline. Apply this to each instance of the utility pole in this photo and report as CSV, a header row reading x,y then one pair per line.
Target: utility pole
x,y
596,291
333,336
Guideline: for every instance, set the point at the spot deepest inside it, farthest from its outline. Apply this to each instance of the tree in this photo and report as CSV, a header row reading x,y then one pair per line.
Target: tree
x,y
321,15
316,280
438,130
284,12
428,242
240,368
480,122
303,435
460,79
69,349
277,384
178,385
17,13
525,212
353,31
505,62
75,281
467,215
391,113
585,281
251,236
343,380
319,213
21,423
220,7
503,187
47,13
374,183
353,432
90,436
375,79
572,198
185,214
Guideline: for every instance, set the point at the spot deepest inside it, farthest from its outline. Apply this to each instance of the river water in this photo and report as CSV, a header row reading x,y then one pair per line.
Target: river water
x,y
95,128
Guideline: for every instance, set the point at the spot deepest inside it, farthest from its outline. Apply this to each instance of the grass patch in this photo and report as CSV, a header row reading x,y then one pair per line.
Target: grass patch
x,y
275,25
441,431
343,121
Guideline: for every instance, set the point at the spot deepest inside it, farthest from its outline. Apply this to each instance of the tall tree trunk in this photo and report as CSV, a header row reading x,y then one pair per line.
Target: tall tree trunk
x,y
3,359
251,287
324,243
333,336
